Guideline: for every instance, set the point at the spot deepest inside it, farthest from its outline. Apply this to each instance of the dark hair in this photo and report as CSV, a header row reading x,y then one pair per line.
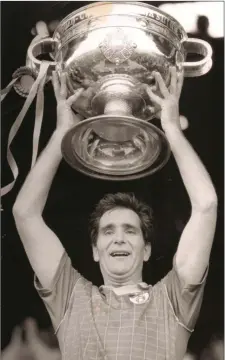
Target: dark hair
x,y
122,200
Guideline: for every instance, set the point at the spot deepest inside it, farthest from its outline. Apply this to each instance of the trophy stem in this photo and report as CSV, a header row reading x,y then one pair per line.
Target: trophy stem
x,y
118,107
118,95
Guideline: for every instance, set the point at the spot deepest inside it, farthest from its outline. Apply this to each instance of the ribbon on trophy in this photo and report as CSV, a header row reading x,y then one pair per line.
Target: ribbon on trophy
x,y
36,89
30,92
7,89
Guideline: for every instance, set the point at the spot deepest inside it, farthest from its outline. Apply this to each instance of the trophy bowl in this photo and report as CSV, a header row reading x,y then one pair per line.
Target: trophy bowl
x,y
111,49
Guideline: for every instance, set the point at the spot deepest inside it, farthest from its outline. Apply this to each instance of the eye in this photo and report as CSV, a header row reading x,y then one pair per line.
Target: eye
x,y
130,231
108,232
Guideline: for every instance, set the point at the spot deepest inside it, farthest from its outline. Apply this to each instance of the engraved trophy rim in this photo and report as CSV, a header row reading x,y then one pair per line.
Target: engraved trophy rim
x,y
183,35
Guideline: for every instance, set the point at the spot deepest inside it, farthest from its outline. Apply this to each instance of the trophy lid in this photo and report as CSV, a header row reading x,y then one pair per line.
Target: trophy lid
x,y
115,147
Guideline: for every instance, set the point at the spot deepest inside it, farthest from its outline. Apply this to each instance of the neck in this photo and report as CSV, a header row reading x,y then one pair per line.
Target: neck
x,y
120,281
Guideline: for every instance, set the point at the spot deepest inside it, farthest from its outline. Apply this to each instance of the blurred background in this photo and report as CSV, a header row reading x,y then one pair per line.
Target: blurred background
x,y
74,195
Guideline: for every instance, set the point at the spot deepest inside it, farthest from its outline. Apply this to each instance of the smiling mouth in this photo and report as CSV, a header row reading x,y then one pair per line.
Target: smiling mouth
x,y
118,254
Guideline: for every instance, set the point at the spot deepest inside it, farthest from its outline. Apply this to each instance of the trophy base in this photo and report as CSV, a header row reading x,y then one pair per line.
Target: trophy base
x,y
115,147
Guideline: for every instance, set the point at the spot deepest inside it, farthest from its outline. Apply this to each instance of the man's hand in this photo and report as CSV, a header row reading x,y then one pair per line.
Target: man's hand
x,y
13,350
168,103
38,349
199,232
66,118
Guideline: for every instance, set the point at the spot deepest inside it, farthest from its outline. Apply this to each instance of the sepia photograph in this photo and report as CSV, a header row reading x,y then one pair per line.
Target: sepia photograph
x,y
112,185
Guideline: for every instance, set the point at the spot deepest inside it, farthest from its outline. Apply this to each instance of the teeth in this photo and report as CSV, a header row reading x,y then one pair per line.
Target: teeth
x,y
119,254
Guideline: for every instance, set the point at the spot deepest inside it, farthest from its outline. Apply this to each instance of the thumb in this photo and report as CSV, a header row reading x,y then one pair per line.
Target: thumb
x,y
154,110
75,96
31,330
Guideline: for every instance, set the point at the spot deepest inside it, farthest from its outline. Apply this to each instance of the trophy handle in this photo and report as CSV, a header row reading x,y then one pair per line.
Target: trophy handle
x,y
43,45
201,67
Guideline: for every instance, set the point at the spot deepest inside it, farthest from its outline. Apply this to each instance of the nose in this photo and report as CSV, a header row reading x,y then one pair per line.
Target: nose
x,y
119,241
119,238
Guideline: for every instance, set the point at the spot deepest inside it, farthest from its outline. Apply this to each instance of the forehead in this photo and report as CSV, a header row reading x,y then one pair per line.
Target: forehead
x,y
119,216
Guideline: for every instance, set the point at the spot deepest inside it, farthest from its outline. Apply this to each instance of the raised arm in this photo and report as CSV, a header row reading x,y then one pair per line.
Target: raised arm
x,y
195,244
42,246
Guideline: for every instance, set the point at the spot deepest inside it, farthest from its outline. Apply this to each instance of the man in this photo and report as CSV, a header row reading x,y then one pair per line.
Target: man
x,y
125,318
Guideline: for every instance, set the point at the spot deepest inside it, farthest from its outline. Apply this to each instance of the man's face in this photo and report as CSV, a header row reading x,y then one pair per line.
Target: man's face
x,y
120,247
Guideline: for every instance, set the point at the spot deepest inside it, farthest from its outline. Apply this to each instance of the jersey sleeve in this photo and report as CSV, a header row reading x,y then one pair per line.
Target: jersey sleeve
x,y
185,299
57,297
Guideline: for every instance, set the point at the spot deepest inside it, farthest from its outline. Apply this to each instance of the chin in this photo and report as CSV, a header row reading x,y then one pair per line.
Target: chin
x,y
121,272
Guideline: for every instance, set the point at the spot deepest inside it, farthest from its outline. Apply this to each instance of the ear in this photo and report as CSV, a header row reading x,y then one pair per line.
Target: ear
x,y
95,253
147,252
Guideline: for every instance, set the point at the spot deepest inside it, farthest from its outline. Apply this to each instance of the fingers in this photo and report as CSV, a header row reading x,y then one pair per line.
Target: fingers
x,y
180,80
16,335
176,83
153,97
59,86
162,86
173,80
63,88
31,329
75,96
33,340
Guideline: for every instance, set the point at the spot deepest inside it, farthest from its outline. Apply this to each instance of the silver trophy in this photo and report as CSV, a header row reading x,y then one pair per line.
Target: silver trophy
x,y
111,50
